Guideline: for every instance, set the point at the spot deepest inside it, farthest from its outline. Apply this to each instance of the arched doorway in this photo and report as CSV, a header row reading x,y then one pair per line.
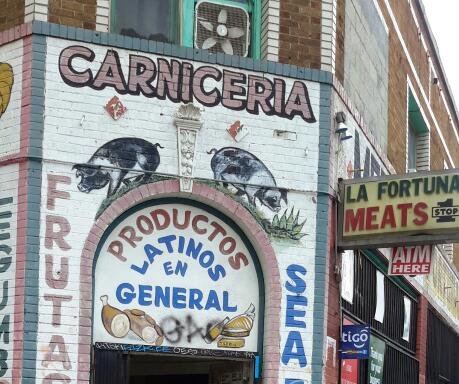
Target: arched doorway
x,y
178,295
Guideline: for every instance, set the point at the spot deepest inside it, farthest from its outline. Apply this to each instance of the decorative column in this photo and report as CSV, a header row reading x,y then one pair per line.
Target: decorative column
x,y
188,123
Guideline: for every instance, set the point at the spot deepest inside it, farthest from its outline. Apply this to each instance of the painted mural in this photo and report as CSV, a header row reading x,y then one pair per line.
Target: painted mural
x,y
251,178
11,74
122,160
173,264
255,139
245,172
6,84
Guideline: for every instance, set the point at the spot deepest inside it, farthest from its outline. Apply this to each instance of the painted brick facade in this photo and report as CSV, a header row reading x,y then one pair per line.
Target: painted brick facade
x,y
306,158
55,347
153,121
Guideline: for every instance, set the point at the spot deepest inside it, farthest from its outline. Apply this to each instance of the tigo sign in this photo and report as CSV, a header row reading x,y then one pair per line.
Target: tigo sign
x,y
412,260
355,341
389,210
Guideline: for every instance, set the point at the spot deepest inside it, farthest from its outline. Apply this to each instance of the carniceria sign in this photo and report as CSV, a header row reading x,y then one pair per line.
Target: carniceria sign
x,y
176,275
416,208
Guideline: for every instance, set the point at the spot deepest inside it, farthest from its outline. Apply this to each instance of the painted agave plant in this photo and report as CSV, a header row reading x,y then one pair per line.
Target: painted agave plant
x,y
287,226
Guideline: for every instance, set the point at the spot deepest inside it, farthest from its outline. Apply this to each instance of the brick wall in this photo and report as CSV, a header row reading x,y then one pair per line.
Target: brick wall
x,y
11,13
299,33
74,13
366,65
399,69
340,28
421,338
331,372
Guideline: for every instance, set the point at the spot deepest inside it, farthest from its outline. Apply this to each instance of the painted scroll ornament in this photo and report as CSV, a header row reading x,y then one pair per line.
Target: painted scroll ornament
x,y
187,121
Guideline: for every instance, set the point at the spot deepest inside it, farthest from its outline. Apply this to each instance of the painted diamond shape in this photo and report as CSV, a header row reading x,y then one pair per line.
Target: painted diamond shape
x,y
115,108
237,131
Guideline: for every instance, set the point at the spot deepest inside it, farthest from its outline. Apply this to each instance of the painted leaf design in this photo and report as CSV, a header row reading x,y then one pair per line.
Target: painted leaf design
x,y
275,221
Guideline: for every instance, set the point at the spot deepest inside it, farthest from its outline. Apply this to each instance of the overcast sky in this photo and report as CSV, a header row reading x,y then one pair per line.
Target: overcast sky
x,y
443,20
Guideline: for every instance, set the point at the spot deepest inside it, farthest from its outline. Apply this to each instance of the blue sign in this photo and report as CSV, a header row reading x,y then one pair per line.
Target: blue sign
x,y
355,342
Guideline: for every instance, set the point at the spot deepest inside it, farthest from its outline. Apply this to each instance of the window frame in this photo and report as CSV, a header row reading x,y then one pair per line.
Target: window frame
x,y
186,22
417,128
253,8
113,17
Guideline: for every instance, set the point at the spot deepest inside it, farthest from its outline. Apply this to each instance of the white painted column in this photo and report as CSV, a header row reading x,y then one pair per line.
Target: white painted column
x,y
103,15
328,36
36,10
270,30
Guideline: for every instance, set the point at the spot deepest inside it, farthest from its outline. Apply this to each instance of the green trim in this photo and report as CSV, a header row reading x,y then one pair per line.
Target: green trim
x,y
212,211
187,23
112,20
174,16
322,224
112,40
383,267
255,37
415,116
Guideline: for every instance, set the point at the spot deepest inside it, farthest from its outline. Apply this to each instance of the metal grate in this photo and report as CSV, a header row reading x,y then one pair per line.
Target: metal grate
x,y
399,368
364,304
236,17
442,352
110,367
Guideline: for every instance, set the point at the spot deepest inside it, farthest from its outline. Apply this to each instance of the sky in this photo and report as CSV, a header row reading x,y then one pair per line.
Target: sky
x,y
443,21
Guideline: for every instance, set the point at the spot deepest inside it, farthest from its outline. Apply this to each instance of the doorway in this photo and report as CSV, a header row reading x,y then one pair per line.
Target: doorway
x,y
117,367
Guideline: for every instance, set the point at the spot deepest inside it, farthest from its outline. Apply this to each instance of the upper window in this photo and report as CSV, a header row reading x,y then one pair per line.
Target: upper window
x,y
147,19
227,26
418,138
411,148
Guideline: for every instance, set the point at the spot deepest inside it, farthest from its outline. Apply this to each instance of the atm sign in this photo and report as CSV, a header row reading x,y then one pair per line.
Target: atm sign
x,y
414,260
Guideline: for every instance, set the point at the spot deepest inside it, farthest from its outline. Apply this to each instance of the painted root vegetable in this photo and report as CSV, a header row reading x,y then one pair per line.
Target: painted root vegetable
x,y
241,325
145,326
6,83
116,322
233,330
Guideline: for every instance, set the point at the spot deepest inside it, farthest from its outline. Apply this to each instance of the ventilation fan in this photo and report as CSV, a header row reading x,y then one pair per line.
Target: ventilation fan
x,y
221,28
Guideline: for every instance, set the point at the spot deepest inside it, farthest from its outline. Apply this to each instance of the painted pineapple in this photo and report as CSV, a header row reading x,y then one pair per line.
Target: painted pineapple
x,y
6,83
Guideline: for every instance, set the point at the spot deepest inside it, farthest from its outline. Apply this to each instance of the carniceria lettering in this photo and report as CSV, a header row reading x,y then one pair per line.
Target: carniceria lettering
x,y
181,82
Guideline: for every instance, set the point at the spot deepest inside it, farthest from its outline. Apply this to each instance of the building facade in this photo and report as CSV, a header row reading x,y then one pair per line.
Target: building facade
x,y
169,189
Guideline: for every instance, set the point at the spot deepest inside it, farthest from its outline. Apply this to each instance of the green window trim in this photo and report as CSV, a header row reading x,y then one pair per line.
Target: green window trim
x,y
186,12
253,8
415,116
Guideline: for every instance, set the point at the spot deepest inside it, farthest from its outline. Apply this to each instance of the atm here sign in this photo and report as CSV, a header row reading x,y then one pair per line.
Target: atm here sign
x,y
412,260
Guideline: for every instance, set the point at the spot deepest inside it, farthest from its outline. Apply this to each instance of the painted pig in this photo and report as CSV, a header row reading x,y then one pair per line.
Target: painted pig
x,y
248,175
114,162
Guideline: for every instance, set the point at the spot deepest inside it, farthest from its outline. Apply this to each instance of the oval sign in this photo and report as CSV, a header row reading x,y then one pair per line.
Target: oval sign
x,y
176,275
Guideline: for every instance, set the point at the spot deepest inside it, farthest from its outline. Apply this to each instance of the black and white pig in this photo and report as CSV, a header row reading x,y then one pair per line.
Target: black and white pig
x,y
114,162
248,175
